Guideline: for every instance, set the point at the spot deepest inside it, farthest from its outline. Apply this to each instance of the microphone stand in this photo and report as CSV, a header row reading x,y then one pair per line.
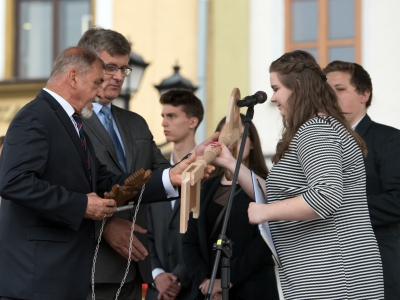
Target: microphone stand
x,y
223,246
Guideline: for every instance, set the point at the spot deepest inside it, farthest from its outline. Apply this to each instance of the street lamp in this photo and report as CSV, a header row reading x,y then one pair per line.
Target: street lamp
x,y
175,82
132,82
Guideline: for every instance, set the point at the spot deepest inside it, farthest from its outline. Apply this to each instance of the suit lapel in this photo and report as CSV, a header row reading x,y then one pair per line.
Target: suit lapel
x,y
126,136
94,124
67,123
363,126
93,163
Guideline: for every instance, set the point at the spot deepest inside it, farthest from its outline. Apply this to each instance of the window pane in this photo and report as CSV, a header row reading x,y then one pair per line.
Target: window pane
x,y
341,19
305,21
345,53
35,54
74,20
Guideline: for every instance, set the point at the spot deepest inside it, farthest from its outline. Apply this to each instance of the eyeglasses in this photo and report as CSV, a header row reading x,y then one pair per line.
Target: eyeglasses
x,y
112,69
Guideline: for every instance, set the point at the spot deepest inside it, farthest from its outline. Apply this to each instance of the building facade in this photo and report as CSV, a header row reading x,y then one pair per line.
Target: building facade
x,y
219,45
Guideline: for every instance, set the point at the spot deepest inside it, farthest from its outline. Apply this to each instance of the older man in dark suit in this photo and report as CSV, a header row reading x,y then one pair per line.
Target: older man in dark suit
x,y
48,178
353,87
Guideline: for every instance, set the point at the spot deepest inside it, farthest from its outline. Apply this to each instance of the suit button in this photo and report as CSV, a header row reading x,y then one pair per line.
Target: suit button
x,y
91,235
171,228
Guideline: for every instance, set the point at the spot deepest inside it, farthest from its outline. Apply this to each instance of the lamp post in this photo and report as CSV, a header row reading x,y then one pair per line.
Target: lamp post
x,y
132,82
175,82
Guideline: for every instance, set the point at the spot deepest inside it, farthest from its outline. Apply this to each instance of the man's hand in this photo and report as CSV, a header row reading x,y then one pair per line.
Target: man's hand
x,y
204,286
175,173
167,286
217,296
117,234
217,290
99,208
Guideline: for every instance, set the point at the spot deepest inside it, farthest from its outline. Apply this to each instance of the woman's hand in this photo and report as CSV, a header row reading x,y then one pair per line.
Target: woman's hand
x,y
201,147
256,212
225,158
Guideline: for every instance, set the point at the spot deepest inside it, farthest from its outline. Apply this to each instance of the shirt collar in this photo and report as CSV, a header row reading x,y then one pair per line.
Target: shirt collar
x,y
355,125
97,106
64,103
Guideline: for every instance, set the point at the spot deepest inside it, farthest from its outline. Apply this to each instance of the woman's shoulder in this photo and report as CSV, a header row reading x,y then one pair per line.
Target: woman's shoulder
x,y
320,123
321,120
323,126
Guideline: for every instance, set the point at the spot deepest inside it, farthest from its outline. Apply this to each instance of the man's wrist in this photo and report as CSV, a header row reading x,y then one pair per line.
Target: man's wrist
x,y
156,272
171,178
170,190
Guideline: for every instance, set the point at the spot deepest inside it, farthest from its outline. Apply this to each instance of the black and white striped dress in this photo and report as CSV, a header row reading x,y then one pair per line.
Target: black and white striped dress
x,y
335,257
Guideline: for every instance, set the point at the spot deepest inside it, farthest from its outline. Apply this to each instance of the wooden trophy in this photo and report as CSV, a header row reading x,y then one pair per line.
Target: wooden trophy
x,y
121,194
191,177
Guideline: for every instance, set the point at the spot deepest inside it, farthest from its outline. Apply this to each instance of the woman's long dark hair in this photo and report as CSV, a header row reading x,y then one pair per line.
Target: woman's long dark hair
x,y
311,94
256,160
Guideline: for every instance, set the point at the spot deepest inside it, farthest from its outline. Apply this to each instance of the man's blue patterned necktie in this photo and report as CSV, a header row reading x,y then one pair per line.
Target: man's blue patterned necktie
x,y
105,110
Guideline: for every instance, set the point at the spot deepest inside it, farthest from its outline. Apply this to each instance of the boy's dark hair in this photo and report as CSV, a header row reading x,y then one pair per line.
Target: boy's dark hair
x,y
189,103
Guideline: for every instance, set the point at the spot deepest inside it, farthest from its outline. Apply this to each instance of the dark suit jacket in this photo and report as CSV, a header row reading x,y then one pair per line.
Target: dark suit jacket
x,y
165,243
46,246
141,152
252,268
382,165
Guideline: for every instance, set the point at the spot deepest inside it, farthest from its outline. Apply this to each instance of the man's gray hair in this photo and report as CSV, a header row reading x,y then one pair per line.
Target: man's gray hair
x,y
80,58
98,39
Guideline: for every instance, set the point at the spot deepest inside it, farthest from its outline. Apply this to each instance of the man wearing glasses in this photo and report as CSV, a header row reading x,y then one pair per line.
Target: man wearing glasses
x,y
124,143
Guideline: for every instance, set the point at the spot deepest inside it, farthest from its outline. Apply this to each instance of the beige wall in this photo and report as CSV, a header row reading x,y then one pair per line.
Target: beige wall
x,y
163,33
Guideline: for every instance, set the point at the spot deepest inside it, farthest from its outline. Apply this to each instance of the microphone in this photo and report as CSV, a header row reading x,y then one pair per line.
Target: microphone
x,y
257,98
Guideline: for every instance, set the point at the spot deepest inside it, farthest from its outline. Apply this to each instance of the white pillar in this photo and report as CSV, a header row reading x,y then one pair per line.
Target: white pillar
x,y
104,13
266,38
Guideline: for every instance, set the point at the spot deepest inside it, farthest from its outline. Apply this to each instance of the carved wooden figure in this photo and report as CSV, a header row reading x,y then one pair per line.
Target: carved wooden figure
x,y
121,194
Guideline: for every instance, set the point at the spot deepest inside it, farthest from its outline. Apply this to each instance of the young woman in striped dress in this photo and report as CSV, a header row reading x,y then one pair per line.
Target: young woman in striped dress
x,y
317,205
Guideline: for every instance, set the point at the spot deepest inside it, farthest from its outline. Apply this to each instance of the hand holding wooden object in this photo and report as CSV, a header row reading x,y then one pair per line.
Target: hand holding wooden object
x,y
191,177
121,194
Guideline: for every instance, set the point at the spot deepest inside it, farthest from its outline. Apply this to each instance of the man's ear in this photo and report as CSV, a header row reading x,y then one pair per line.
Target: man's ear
x,y
72,77
365,96
194,121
